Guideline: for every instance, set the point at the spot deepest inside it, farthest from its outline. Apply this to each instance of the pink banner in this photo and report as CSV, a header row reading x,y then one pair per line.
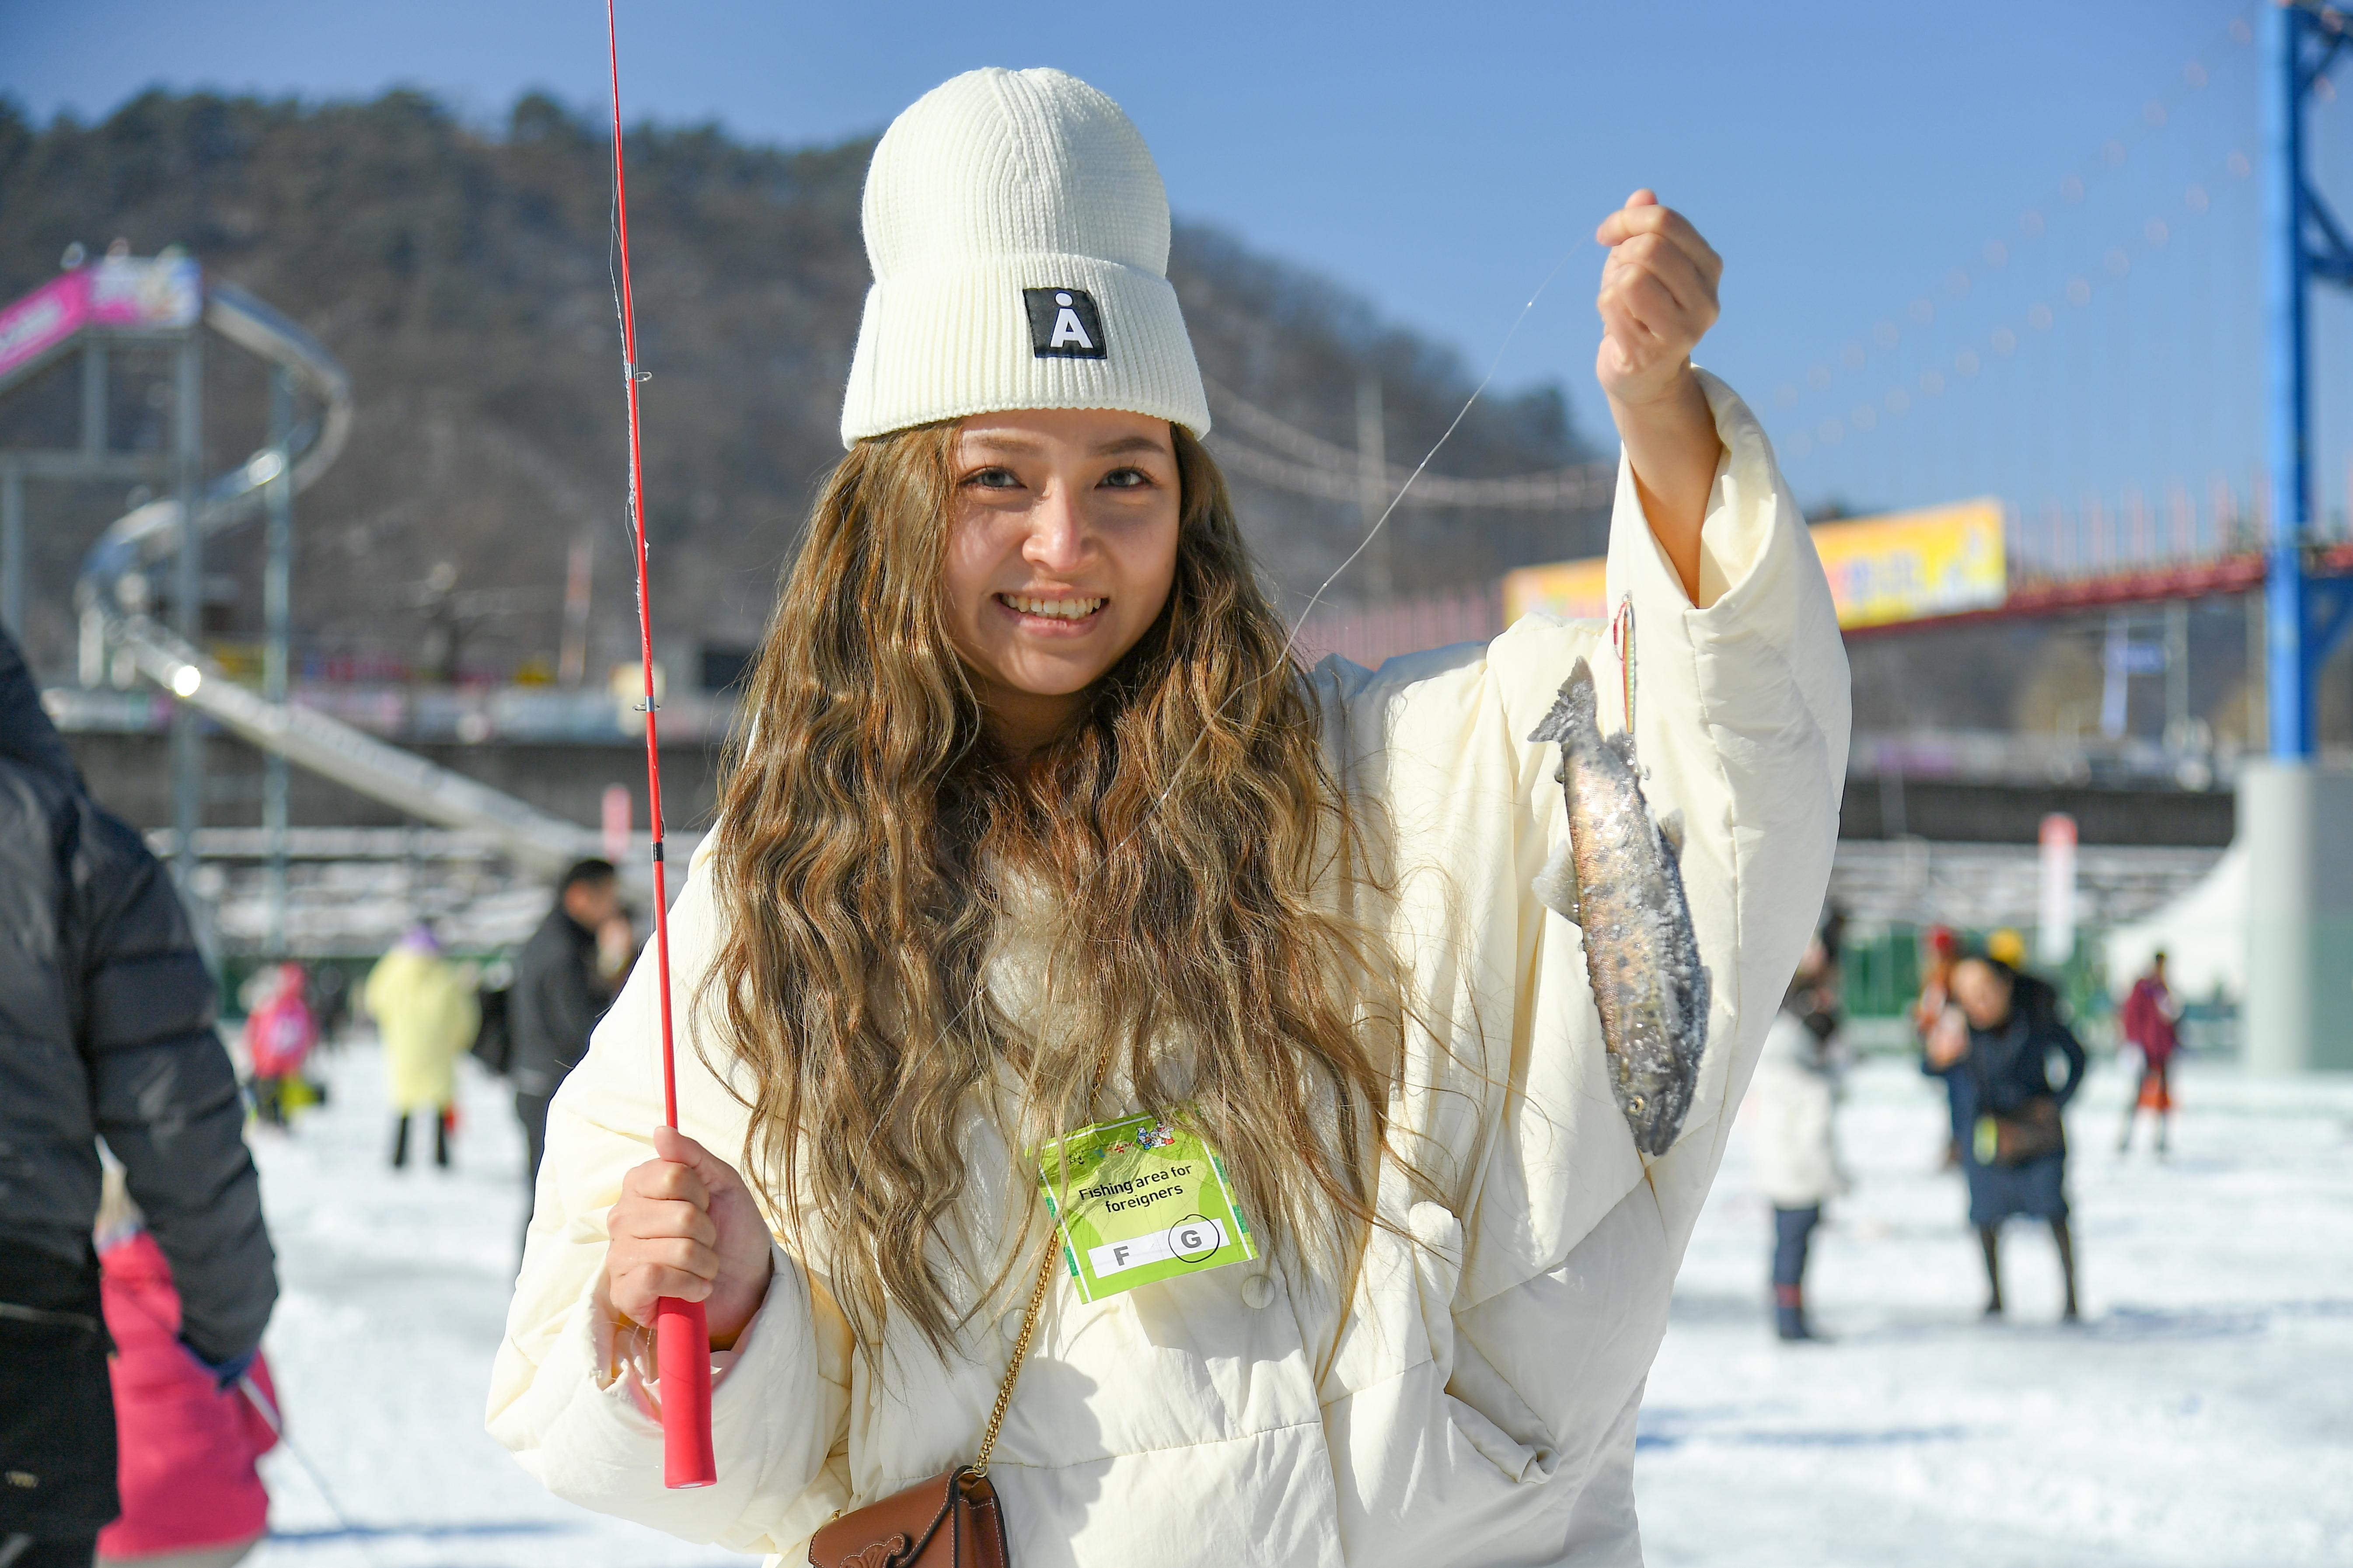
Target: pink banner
x,y
135,291
42,320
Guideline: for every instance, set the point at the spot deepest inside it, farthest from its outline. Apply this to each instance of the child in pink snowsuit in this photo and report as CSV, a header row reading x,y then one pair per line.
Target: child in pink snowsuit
x,y
278,1037
190,1496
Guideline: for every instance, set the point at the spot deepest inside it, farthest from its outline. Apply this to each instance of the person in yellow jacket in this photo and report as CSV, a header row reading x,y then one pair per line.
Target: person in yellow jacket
x,y
425,1008
1034,822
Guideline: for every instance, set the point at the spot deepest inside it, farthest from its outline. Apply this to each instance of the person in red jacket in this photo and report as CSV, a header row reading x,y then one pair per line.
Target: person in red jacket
x,y
191,1495
2149,1022
279,1034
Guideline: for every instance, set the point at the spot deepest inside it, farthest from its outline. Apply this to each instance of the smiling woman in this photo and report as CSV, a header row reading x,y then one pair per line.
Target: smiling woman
x,y
1059,557
1035,831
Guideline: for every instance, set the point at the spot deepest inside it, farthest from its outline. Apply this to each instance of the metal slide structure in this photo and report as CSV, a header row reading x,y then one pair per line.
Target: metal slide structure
x,y
114,597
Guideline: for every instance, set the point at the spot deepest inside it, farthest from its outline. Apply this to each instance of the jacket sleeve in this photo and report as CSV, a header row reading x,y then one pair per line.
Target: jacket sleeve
x,y
563,1014
1742,712
2063,1040
1545,1261
554,1011
780,1409
162,1093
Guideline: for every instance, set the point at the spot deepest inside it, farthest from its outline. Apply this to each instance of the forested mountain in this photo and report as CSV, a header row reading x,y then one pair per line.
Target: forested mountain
x,y
462,277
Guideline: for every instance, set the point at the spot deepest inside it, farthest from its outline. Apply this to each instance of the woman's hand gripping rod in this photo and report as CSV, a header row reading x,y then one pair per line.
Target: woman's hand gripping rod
x,y
682,1329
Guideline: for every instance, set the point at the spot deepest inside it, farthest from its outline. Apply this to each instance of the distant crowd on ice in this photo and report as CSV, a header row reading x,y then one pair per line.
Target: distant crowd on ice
x,y
1989,1029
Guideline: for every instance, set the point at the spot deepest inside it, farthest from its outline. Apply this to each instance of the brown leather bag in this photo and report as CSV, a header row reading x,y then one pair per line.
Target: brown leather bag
x,y
2035,1130
951,1521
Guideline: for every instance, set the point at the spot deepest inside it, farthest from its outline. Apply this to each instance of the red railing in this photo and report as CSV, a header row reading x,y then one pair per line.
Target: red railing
x,y
2098,554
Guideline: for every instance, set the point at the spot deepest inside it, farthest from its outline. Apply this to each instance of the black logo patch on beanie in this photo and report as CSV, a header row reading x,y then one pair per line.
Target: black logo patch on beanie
x,y
1065,324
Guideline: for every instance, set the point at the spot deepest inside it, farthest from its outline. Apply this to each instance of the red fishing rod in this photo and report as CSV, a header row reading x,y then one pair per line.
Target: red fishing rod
x,y
682,1329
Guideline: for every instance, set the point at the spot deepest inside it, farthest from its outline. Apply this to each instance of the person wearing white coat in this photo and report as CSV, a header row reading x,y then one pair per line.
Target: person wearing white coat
x,y
1470,1395
1796,1092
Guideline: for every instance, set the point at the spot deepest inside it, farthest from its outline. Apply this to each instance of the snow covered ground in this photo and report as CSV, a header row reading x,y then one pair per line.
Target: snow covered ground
x,y
396,1286
2202,1415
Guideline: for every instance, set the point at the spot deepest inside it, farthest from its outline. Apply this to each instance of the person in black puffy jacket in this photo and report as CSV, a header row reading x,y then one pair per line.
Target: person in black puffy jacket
x,y
106,1031
560,991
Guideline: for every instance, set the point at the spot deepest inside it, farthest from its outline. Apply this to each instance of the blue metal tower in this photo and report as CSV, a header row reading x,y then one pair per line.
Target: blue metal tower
x,y
2304,615
2296,817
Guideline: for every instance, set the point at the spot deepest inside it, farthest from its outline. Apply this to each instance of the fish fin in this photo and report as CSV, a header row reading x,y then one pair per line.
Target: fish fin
x,y
1573,707
1556,886
1671,828
1622,743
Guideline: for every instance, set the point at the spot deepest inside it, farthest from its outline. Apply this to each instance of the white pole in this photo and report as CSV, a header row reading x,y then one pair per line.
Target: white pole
x,y
2055,933
616,822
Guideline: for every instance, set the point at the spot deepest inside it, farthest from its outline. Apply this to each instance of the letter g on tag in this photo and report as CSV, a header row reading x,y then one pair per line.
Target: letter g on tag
x,y
1194,1239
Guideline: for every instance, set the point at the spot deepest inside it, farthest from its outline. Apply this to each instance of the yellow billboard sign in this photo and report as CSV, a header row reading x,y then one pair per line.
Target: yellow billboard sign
x,y
1903,566
1913,565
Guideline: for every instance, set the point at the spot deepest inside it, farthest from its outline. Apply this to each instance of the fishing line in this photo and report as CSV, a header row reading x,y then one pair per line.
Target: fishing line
x,y
272,1418
1493,366
1292,641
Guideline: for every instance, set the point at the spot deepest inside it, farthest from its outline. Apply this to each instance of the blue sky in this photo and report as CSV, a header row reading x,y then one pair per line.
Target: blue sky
x,y
1846,158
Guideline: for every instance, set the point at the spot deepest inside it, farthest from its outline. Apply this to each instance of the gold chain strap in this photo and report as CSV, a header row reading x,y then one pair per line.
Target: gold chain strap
x,y
1020,1352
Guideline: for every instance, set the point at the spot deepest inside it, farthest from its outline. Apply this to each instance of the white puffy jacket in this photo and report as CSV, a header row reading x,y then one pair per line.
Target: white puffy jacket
x,y
1795,1090
1474,1401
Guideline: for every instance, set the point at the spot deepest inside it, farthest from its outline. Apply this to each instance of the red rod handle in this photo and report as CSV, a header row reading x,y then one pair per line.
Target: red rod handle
x,y
683,1358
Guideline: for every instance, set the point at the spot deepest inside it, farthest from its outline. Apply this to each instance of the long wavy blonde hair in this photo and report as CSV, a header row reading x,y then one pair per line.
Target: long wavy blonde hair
x,y
1183,836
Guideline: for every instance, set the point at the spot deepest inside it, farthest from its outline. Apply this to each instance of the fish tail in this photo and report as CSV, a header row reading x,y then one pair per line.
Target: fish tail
x,y
1573,707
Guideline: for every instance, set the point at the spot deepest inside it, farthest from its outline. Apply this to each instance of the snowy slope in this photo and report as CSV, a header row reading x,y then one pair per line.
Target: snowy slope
x,y
2202,1415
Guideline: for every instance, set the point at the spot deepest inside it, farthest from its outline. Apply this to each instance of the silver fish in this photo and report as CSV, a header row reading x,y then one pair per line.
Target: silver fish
x,y
1619,880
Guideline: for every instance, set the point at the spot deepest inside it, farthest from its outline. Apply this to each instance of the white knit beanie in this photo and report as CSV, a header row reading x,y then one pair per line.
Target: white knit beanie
x,y
1018,234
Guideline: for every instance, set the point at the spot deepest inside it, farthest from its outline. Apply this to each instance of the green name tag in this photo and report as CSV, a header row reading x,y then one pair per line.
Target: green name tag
x,y
1138,1201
